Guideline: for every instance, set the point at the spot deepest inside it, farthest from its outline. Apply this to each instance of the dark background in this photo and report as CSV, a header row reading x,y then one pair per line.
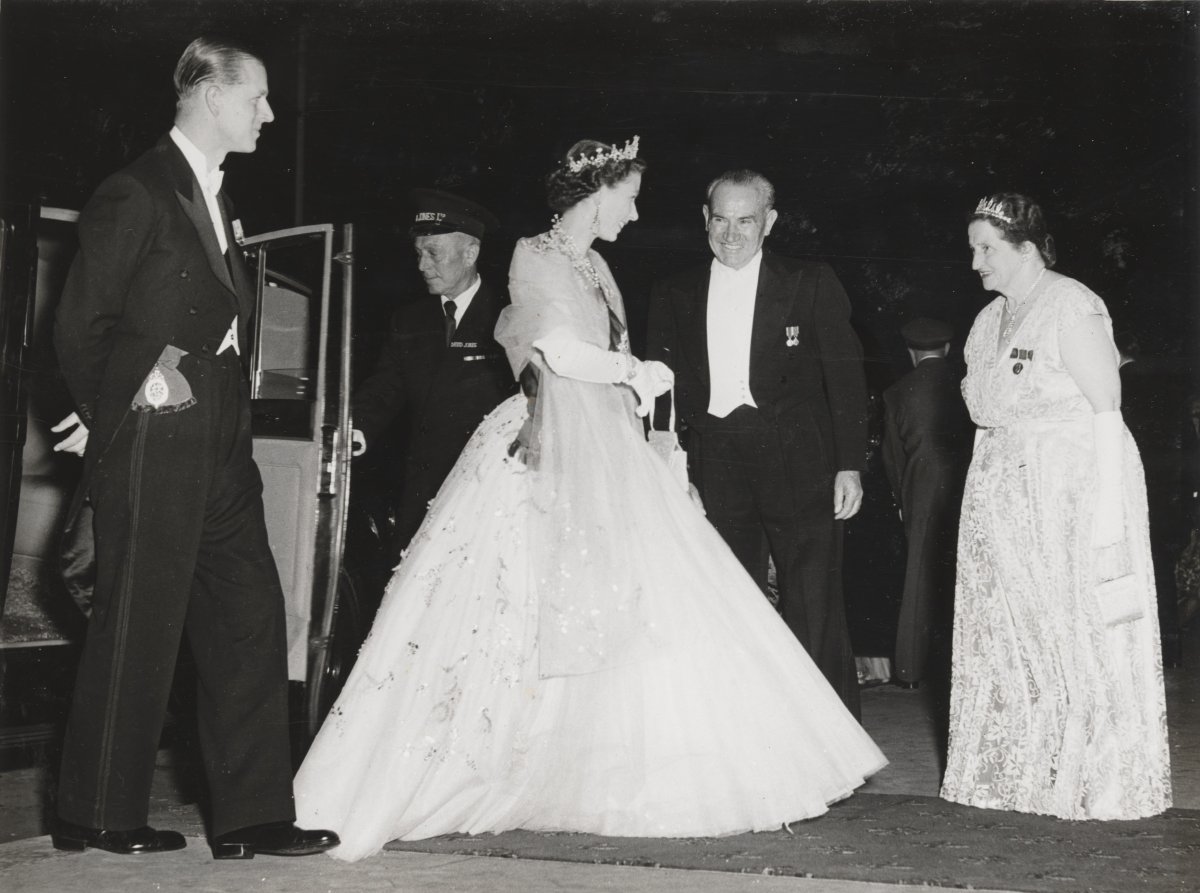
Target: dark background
x,y
881,124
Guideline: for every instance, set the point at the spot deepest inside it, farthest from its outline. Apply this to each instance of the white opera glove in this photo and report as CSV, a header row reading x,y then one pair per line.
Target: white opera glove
x,y
1108,430
587,362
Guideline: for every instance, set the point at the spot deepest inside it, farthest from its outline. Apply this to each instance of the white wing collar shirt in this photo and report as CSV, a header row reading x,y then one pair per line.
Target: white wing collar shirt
x,y
731,297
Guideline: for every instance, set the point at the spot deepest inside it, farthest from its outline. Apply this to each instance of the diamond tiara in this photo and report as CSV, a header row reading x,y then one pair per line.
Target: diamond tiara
x,y
604,156
989,208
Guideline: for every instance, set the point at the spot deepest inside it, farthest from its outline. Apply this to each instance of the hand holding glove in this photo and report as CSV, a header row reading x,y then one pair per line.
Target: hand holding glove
x,y
650,379
663,377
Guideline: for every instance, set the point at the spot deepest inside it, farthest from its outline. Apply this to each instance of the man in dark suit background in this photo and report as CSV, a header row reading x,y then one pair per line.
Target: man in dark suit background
x,y
148,335
926,449
772,405
441,371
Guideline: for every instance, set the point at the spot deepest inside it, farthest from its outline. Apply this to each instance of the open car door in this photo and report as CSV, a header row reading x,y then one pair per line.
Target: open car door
x,y
300,391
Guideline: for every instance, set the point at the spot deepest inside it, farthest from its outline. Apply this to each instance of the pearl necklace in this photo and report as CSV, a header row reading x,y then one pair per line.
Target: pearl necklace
x,y
1012,314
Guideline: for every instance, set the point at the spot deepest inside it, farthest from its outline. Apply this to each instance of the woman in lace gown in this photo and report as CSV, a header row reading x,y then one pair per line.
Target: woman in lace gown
x,y
567,644
1057,704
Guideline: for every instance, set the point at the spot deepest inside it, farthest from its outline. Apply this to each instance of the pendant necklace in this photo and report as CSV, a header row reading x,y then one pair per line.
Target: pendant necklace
x,y
1012,317
561,240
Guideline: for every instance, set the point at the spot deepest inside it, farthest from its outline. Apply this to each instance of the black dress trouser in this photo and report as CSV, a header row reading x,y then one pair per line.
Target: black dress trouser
x,y
181,548
768,490
925,626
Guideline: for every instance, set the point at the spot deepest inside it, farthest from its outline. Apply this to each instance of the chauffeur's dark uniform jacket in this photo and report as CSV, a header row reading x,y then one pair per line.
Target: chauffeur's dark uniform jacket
x,y
766,474
440,392
926,448
181,543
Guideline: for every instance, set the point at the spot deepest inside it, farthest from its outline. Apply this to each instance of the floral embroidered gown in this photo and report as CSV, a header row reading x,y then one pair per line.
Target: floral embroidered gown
x,y
568,644
1051,710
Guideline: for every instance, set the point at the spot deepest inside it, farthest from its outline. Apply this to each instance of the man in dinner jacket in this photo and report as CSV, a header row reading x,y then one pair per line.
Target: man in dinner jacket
x,y
441,370
149,333
772,406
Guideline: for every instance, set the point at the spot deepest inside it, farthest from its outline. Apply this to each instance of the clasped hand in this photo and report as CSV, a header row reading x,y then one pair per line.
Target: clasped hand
x,y
651,379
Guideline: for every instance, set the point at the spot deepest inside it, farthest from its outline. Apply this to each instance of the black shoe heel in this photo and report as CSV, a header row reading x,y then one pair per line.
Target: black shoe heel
x,y
75,838
70,844
232,851
271,839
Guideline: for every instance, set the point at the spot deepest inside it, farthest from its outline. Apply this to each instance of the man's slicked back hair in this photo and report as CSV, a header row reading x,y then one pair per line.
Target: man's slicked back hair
x,y
208,59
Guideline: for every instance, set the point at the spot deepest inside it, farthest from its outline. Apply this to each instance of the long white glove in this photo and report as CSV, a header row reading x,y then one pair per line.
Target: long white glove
x,y
587,362
1108,430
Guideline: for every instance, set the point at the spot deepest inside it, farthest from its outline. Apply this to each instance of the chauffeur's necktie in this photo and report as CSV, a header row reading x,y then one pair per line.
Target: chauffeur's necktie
x,y
449,308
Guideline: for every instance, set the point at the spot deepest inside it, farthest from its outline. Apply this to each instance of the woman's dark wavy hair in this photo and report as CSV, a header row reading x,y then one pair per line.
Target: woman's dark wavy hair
x,y
1028,223
565,189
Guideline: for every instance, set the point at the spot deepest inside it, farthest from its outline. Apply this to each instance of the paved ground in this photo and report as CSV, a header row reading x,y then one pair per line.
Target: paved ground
x,y
900,721
32,866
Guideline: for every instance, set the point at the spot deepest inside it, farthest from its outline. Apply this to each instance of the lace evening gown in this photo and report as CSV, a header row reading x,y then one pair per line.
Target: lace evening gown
x,y
1051,710
568,645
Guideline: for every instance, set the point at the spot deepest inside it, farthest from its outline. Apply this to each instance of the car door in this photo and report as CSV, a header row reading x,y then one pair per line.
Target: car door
x,y
299,369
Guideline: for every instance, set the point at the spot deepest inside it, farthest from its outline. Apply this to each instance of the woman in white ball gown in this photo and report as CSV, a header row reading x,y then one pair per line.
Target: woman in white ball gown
x,y
567,644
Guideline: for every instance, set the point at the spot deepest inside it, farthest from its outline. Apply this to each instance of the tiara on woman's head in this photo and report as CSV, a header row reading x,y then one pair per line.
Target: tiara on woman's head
x,y
604,156
989,208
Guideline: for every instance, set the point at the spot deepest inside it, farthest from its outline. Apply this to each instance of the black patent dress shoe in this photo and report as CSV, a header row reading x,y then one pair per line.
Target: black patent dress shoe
x,y
124,843
272,839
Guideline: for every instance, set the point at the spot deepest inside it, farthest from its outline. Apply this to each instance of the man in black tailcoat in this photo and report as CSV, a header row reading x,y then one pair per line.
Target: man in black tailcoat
x,y
441,371
772,406
148,334
926,448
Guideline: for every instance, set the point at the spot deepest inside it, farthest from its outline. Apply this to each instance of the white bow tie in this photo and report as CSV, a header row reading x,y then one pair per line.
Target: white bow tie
x,y
215,179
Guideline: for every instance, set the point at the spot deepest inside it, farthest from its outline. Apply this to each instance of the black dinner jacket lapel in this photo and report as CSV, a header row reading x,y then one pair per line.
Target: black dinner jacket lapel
x,y
771,307
243,287
191,200
697,303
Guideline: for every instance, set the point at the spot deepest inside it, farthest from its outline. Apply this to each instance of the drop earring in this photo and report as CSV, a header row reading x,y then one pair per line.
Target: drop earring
x,y
596,221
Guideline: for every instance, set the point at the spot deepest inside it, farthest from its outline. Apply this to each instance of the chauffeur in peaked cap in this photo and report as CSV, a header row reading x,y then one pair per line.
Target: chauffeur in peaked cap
x,y
441,371
437,212
926,334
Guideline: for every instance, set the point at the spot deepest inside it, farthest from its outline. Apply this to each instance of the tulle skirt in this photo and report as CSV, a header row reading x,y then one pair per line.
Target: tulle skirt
x,y
710,720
